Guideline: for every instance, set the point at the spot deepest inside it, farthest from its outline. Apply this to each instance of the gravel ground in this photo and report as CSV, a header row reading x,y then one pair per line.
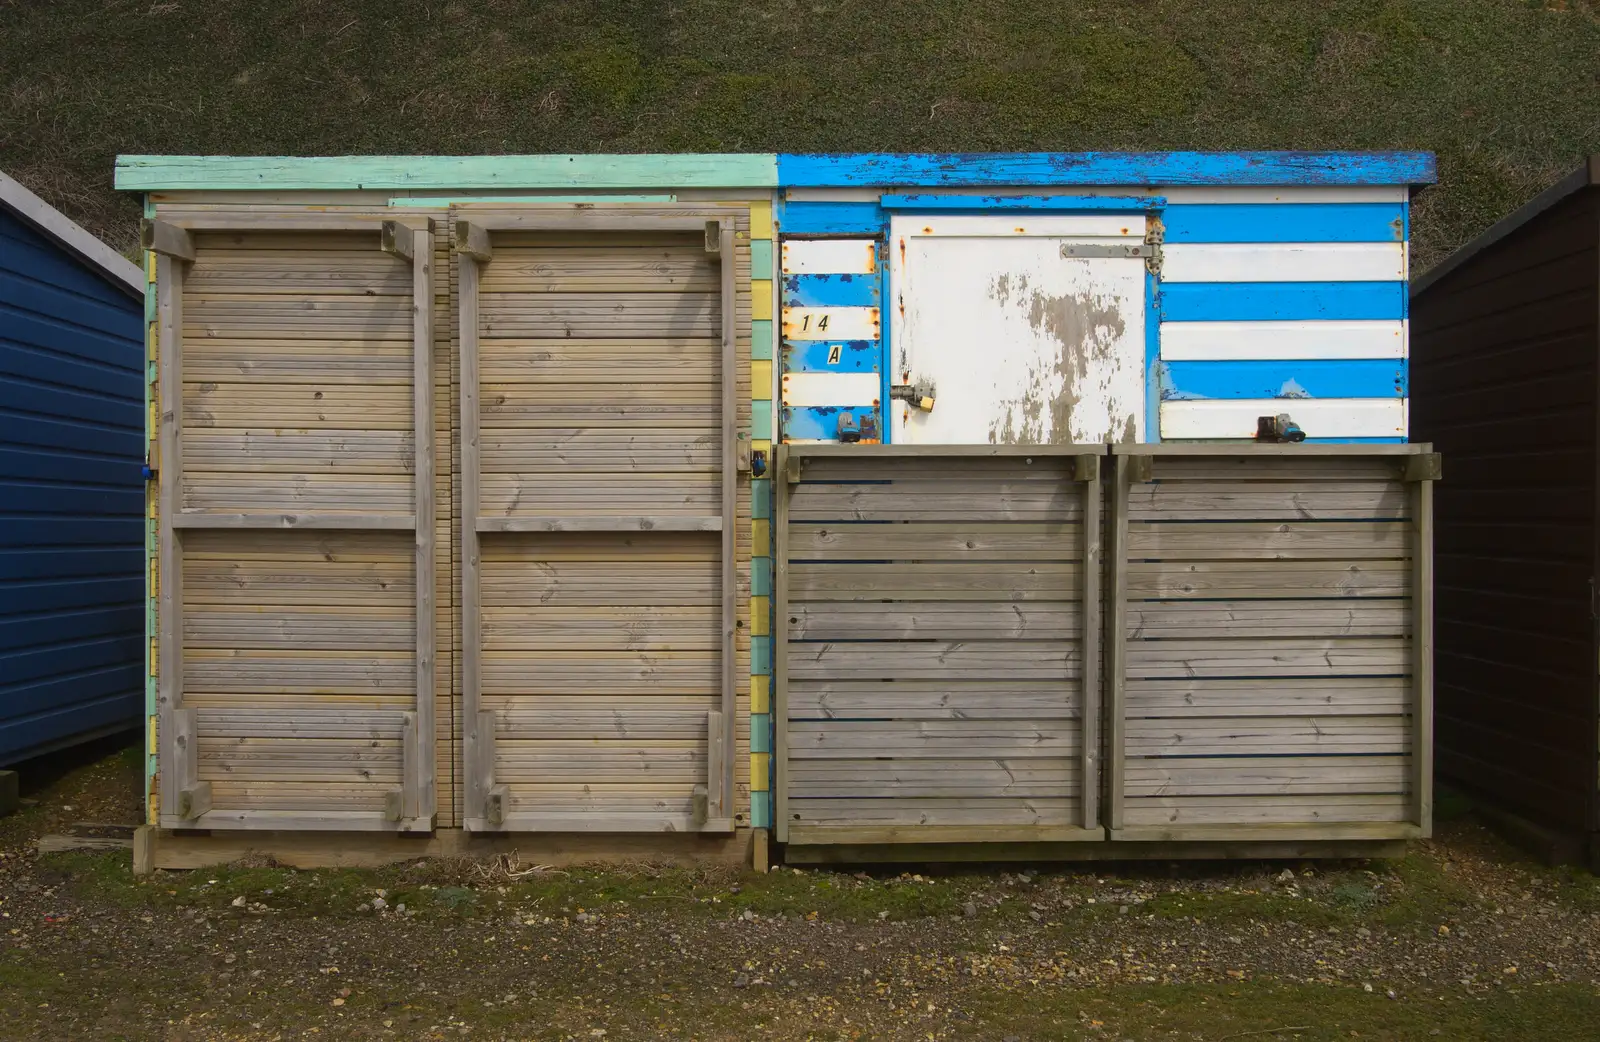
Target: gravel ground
x,y
1458,940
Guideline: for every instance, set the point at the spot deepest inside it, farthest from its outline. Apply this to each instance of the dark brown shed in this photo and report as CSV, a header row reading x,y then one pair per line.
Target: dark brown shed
x,y
1505,342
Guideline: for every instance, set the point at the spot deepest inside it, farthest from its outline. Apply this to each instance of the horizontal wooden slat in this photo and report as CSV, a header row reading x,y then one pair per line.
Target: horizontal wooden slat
x,y
921,739
617,547
1252,579
933,620
286,629
296,316
277,451
1243,696
1220,810
247,491
318,723
932,700
1223,736
1273,540
309,243
1254,657
1249,501
364,272
507,495
1352,617
253,671
298,361
936,501
596,448
598,672
1267,775
619,364
657,761
1306,470
1046,468
998,810
528,523
591,408
686,314
603,721
935,660
331,407
506,583
601,268
289,580
620,628
1004,581
910,779
936,541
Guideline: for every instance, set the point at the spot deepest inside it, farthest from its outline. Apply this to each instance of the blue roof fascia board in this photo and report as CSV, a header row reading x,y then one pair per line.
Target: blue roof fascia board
x,y
1075,203
822,170
282,173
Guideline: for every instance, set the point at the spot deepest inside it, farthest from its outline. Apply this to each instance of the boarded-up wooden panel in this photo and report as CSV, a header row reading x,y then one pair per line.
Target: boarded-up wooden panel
x,y
932,655
601,390
299,692
1266,664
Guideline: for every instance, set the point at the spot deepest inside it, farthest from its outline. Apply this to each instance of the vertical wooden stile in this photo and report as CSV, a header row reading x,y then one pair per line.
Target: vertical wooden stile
x,y
177,762
421,788
1087,474
478,747
721,779
1125,472
1422,653
780,639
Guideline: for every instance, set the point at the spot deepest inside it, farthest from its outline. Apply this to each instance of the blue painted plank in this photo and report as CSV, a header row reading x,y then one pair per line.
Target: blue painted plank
x,y
1106,168
100,410
34,497
61,338
761,258
582,172
27,294
39,256
36,628
1289,301
74,715
761,650
761,423
77,531
761,809
761,578
830,291
761,496
71,593
1285,222
761,339
75,562
830,219
68,656
1351,378
832,356
21,428
78,468
1051,203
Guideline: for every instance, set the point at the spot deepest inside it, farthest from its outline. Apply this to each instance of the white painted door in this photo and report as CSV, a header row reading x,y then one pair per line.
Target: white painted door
x,y
1030,330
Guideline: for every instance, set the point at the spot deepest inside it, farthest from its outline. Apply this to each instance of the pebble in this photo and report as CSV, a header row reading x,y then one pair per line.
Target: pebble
x,y
748,915
401,908
1286,876
379,904
239,902
363,907
741,981
969,909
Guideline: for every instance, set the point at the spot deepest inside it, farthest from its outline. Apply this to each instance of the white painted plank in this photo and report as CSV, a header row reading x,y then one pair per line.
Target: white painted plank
x,y
1318,417
830,257
852,323
1273,341
1116,227
1284,262
801,389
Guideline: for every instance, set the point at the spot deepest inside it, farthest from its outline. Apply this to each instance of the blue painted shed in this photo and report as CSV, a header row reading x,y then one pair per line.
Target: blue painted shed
x,y
71,488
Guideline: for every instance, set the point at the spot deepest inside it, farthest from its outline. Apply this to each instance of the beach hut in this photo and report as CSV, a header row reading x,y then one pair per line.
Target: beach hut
x,y
72,443
554,502
1507,345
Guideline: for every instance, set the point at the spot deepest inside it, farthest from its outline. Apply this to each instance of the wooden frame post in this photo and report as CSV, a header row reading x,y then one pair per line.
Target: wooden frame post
x,y
1126,470
720,766
1086,472
1423,470
420,801
785,471
472,250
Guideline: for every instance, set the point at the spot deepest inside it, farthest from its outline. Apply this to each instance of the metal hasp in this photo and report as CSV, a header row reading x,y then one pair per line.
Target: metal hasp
x,y
1278,429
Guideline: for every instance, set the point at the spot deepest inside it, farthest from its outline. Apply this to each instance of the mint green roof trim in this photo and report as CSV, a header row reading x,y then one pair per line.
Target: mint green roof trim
x,y
283,173
456,200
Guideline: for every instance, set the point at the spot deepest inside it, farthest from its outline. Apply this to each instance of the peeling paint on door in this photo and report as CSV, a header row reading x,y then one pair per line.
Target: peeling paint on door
x,y
1025,345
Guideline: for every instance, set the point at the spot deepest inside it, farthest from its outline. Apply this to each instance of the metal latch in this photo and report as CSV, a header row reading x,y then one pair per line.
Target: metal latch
x,y
1134,250
918,394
